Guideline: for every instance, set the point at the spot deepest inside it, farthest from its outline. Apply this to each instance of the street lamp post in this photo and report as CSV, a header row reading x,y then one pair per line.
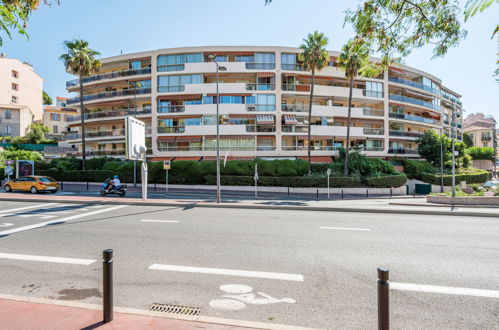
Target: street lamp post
x,y
441,160
453,135
494,145
218,68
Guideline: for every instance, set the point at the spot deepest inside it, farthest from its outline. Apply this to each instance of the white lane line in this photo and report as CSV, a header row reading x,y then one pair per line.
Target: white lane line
x,y
5,213
73,217
444,290
230,272
6,224
342,228
165,221
26,257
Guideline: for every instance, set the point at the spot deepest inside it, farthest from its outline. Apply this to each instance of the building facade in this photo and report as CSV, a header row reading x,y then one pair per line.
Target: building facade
x,y
264,99
481,129
57,118
20,97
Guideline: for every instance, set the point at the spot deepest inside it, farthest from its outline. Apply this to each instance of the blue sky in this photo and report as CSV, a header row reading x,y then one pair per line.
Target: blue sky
x,y
112,26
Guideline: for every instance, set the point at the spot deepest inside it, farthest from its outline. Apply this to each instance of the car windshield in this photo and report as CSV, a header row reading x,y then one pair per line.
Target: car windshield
x,y
47,179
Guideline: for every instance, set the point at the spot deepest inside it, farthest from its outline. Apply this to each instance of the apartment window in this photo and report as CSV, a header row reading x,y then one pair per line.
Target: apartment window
x,y
374,89
8,114
15,87
15,74
168,84
14,99
134,65
8,130
139,84
262,102
222,58
176,62
263,61
245,58
55,129
288,62
55,117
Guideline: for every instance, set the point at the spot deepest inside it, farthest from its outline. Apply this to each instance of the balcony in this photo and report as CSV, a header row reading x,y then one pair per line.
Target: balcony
x,y
110,75
406,134
402,151
111,113
260,129
260,66
171,129
452,99
260,87
406,99
106,95
373,131
414,118
294,129
292,67
91,134
367,93
171,109
486,138
415,84
316,148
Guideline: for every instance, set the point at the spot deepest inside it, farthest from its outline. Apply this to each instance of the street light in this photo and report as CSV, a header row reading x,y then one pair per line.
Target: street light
x,y
213,57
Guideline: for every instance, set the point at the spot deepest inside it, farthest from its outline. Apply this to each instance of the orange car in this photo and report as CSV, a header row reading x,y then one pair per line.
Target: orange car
x,y
32,183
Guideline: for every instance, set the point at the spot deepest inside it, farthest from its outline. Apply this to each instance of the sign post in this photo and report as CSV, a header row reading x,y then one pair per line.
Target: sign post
x,y
135,138
166,166
328,174
256,180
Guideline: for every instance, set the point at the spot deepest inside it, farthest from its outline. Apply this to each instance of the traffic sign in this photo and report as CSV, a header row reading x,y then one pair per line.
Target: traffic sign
x,y
9,170
9,162
328,172
167,164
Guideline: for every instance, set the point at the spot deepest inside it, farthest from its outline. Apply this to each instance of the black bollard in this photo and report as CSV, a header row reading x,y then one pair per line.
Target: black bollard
x,y
367,193
391,192
87,185
341,193
317,193
107,285
288,191
62,185
383,299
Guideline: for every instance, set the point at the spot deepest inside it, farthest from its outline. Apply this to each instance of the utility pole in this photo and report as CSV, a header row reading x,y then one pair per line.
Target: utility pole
x,y
441,160
453,135
494,145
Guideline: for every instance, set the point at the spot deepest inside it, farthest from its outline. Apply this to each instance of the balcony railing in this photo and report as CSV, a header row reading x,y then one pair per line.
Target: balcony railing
x,y
294,129
486,138
400,98
171,109
171,129
294,107
450,98
260,66
265,148
260,107
111,113
371,112
105,95
114,132
296,87
372,94
415,84
110,75
414,118
402,151
373,131
298,148
171,89
405,133
292,67
260,129
180,148
260,87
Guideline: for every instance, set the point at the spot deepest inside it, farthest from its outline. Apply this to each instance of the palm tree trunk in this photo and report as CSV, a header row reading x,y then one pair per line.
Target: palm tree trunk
x,y
347,147
309,147
82,130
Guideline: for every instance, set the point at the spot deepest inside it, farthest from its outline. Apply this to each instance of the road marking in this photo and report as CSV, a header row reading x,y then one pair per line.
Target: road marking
x,y
26,257
13,211
165,221
6,224
444,290
230,272
342,228
73,217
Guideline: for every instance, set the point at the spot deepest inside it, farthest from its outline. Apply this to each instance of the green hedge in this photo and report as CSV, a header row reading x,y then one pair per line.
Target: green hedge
x,y
82,176
414,169
299,181
477,153
387,181
478,177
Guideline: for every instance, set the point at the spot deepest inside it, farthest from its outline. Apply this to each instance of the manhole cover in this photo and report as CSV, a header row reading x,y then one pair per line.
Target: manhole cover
x,y
175,309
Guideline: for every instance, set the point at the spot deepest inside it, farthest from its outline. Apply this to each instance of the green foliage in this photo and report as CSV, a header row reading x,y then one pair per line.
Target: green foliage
x,y
37,133
467,140
387,181
98,163
429,147
478,176
60,164
81,176
299,181
363,166
477,153
414,169
47,100
79,58
15,154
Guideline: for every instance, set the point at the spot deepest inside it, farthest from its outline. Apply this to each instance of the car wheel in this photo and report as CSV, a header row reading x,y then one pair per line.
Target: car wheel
x,y
102,193
122,194
33,190
7,188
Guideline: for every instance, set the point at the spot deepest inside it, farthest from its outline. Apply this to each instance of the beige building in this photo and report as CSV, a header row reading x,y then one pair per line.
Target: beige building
x,y
20,97
481,129
57,118
264,99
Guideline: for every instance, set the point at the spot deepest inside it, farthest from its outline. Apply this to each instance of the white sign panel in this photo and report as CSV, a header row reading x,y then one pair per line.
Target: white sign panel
x,y
135,134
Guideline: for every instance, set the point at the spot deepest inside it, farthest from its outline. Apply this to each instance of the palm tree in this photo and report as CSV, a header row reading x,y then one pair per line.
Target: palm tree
x,y
80,60
314,57
353,59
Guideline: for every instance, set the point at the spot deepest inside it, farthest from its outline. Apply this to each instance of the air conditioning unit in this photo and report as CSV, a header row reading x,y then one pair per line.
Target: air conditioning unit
x,y
251,108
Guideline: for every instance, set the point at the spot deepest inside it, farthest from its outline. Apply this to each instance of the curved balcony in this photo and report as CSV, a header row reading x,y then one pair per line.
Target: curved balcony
x,y
260,87
111,114
120,132
406,99
406,134
402,151
414,118
416,85
106,95
110,75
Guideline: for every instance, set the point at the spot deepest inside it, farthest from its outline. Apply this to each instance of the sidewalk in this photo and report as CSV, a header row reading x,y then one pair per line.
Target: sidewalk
x,y
22,314
382,205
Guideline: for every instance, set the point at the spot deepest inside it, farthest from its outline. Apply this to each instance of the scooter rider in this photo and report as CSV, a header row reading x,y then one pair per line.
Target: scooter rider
x,y
114,184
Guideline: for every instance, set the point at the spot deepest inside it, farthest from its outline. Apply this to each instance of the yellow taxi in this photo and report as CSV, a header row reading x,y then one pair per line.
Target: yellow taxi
x,y
33,184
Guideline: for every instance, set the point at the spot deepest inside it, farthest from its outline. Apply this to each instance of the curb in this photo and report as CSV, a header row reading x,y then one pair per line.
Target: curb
x,y
447,205
260,207
126,310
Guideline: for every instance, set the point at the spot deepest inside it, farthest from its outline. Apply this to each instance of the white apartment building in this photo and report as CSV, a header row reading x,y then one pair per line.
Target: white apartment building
x,y
264,98
20,97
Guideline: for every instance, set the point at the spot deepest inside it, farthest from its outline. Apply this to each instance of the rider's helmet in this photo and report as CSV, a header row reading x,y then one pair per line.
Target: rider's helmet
x,y
115,177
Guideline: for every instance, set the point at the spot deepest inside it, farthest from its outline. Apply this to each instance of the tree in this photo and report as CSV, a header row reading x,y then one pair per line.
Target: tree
x,y
47,100
14,15
314,57
80,60
467,140
429,148
354,60
36,134
15,154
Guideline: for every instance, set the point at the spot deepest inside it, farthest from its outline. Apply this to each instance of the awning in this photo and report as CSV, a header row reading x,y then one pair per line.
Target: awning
x,y
265,119
160,159
180,97
265,138
188,139
290,120
110,141
357,120
232,53
265,74
235,115
241,158
231,75
231,94
188,158
166,138
317,159
321,137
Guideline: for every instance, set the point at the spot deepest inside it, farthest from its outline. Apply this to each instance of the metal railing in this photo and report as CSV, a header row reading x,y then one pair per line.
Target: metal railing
x,y
171,109
320,148
171,129
450,98
114,132
405,133
260,129
260,107
414,118
486,138
296,87
260,66
260,87
292,67
294,107
395,97
372,112
111,113
110,75
294,129
372,94
171,89
402,151
105,95
415,84
373,131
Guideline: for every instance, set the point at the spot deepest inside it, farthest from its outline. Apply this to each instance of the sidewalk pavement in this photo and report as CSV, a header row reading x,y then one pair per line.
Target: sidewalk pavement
x,y
381,205
19,313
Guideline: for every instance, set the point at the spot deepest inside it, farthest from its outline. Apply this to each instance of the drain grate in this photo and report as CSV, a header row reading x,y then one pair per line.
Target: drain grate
x,y
175,309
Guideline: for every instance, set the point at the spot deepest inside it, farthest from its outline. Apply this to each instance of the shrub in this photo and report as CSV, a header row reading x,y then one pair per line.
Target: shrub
x,y
414,169
477,153
82,176
300,181
387,181
479,176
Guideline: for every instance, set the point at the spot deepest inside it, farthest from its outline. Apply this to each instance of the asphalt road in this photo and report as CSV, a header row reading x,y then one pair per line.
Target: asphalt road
x,y
303,268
